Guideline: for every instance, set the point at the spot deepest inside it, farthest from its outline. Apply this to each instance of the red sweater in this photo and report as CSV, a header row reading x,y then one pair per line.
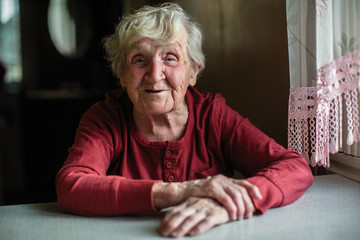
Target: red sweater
x,y
111,168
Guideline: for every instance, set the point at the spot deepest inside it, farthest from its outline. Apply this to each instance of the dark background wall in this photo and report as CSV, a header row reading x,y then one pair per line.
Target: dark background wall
x,y
246,52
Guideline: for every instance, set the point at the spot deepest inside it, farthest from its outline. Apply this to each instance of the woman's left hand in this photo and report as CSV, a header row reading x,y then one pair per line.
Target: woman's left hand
x,y
193,217
235,195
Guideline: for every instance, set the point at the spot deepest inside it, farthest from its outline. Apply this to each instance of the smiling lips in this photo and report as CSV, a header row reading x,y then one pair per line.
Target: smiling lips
x,y
153,91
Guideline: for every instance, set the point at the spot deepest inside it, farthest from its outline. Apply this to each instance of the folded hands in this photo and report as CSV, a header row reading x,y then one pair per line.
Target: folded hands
x,y
203,204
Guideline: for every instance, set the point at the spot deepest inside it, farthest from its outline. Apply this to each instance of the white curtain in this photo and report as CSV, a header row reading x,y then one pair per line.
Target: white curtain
x,y
324,59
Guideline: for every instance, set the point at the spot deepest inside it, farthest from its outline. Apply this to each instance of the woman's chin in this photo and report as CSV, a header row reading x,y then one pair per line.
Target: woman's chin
x,y
157,109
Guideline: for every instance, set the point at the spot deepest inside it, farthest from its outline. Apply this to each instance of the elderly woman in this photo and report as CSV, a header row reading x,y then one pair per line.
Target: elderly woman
x,y
158,142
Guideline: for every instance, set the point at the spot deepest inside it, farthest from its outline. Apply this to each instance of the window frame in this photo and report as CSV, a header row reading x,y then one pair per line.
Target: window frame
x,y
345,165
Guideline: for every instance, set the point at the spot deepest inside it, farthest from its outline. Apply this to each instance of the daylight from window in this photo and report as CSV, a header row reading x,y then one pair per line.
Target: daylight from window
x,y
10,52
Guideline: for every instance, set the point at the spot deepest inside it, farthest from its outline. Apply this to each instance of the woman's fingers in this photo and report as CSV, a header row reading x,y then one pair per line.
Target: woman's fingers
x,y
174,218
242,193
188,224
226,199
251,188
179,220
206,224
235,195
249,207
244,204
220,188
193,217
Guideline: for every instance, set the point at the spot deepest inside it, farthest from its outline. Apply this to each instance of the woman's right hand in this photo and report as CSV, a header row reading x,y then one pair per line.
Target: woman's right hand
x,y
234,194
193,217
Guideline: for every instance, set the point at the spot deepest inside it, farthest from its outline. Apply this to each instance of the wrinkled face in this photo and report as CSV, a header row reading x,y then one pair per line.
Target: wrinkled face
x,y
157,76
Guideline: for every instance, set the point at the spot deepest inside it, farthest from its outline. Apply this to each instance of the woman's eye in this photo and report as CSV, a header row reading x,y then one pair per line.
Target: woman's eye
x,y
171,59
138,61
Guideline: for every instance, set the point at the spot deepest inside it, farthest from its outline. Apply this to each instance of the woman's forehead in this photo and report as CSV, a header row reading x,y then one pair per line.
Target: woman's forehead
x,y
149,44
178,37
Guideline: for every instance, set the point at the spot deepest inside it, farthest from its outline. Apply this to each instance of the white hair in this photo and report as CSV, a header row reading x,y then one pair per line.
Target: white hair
x,y
161,24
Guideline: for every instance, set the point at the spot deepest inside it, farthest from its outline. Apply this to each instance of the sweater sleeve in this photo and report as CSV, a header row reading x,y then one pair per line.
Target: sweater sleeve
x,y
281,175
82,184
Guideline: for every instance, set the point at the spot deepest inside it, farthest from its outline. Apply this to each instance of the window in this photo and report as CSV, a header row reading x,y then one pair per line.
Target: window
x,y
347,161
346,165
10,52
324,58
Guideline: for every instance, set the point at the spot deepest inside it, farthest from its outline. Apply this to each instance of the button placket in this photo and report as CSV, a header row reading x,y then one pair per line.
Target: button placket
x,y
167,153
169,165
171,178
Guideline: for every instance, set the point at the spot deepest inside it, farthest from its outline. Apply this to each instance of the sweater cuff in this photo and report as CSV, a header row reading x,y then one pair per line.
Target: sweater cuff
x,y
271,194
139,197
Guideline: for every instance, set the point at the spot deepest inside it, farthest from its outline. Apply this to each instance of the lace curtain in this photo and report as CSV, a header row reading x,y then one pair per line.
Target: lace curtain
x,y
324,59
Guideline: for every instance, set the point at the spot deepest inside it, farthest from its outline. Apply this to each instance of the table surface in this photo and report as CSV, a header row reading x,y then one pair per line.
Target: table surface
x,y
329,209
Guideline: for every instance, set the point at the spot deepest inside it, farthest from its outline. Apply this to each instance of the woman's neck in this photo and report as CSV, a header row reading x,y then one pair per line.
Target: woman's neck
x,y
165,127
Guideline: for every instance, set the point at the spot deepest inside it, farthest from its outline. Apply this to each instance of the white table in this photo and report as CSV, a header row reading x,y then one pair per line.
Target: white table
x,y
330,209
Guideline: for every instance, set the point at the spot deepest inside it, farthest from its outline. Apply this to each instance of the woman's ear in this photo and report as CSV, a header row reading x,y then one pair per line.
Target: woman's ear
x,y
193,75
120,74
121,82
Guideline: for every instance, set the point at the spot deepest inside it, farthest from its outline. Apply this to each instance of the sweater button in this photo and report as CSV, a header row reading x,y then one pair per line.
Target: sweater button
x,y
171,178
169,165
168,153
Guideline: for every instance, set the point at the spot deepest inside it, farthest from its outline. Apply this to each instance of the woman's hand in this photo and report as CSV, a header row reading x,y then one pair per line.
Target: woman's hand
x,y
234,194
193,217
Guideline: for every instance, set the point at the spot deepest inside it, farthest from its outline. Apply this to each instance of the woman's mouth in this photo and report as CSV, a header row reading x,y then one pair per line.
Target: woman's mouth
x,y
153,91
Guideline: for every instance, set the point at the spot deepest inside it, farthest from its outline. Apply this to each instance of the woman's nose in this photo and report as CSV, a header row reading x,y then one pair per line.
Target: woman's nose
x,y
155,71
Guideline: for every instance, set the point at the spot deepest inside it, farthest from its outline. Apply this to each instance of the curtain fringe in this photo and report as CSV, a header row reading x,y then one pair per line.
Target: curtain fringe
x,y
316,113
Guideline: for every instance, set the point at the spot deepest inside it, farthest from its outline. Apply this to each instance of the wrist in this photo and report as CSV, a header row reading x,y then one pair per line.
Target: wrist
x,y
168,194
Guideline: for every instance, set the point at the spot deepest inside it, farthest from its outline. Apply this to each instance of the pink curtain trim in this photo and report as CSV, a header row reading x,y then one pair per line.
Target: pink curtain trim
x,y
316,113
